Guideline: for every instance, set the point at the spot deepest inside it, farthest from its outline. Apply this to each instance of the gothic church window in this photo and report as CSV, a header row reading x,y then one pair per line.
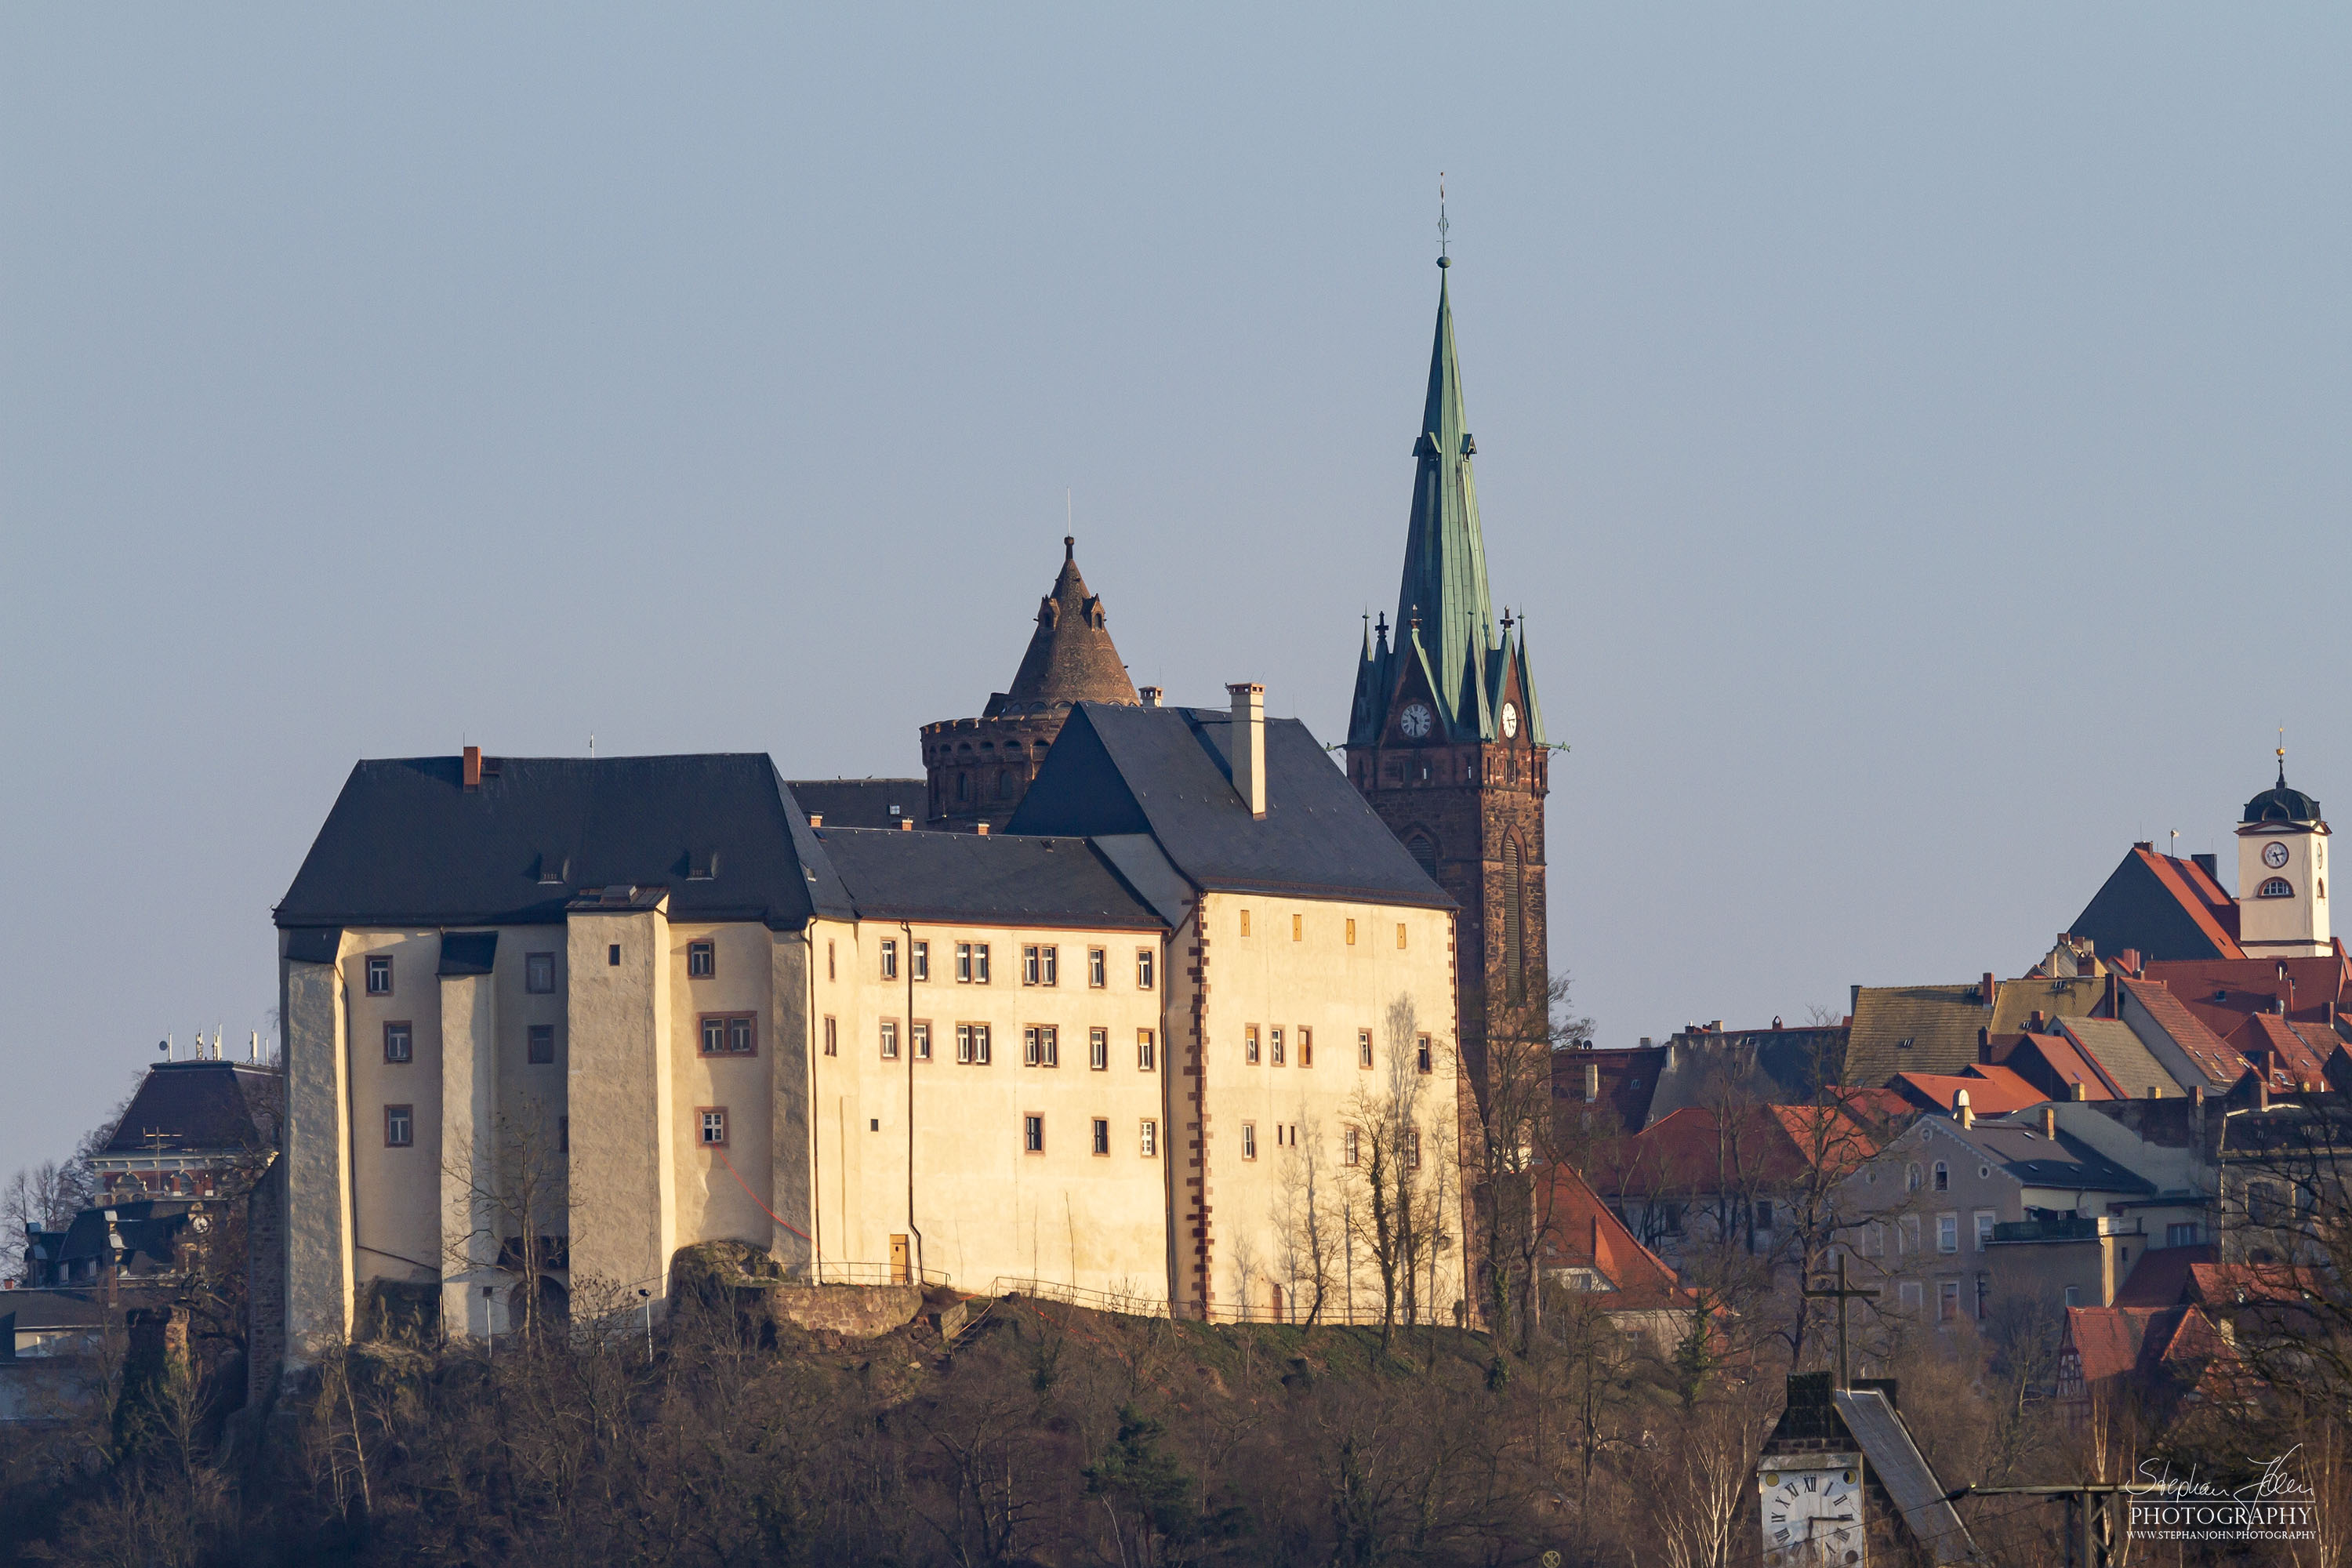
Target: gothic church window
x,y
1515,954
1424,848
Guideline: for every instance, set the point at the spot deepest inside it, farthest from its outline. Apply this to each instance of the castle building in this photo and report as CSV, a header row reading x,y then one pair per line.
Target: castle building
x,y
977,770
1445,738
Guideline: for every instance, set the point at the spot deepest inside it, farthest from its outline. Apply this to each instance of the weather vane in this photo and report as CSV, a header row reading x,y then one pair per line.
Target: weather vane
x,y
1442,225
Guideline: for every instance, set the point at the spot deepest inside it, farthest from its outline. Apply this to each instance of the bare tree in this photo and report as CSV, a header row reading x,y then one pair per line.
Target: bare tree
x,y
509,1216
1305,1231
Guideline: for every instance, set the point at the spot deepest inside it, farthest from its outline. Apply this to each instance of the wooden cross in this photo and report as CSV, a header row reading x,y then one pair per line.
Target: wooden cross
x,y
1842,1295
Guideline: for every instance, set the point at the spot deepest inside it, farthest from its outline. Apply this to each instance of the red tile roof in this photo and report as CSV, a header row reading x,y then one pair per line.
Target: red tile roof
x,y
2296,1054
2054,1060
2117,1342
2161,1277
2222,1066
2201,898
1581,1233
2222,991
1697,1150
1992,1090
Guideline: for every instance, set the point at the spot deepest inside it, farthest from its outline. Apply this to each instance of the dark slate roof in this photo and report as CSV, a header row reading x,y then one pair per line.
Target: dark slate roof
x,y
468,953
1165,772
2281,804
2066,1161
1904,1472
27,1311
201,1106
150,1230
406,843
2165,906
983,877
1070,658
863,803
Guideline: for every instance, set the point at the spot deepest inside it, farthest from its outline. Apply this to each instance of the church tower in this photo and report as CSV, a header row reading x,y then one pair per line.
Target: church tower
x,y
2282,874
1445,738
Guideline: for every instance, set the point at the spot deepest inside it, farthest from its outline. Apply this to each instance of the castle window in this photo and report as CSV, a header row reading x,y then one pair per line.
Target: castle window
x,y
890,1039
1147,1055
702,960
918,959
1298,928
1249,1140
1352,1149
2276,887
1249,1044
1143,969
1421,1061
399,1043
1305,1046
1033,1134
712,1119
399,1126
1273,1042
379,974
612,955
1351,933
542,1045
889,961
539,974
736,1035
1245,923
1096,967
832,1037
1363,1047
921,1033
1102,1135
1400,935
1149,1140
1943,1177
1041,1046
1098,1050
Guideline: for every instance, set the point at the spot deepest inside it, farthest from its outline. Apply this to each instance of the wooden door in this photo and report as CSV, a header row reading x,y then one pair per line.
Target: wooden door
x,y
901,1274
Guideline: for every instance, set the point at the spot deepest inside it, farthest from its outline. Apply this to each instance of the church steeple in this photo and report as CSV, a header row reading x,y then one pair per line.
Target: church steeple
x,y
1444,585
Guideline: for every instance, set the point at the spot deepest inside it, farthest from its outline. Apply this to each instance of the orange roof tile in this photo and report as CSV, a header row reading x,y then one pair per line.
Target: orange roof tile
x,y
2222,1066
2294,1059
1581,1232
1992,1090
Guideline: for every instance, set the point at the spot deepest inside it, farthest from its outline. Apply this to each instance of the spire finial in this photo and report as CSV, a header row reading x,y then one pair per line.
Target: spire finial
x,y
1069,547
1442,259
2282,756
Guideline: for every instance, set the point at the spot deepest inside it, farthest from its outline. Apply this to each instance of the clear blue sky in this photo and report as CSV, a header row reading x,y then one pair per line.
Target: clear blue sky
x,y
1916,435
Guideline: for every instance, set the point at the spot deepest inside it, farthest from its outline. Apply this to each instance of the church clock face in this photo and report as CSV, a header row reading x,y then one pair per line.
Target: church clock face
x,y
1414,721
2274,855
1510,720
1812,1517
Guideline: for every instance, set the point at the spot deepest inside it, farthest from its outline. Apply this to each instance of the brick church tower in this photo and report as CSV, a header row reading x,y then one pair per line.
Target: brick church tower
x,y
1445,738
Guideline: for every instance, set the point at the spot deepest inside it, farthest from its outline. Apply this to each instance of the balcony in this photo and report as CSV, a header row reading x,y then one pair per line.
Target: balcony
x,y
2066,1227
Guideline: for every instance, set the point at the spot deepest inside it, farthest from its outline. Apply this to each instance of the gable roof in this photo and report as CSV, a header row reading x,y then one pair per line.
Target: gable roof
x,y
1698,1150
407,844
200,1106
2068,996
2222,991
1913,1028
863,803
1579,1231
2161,1277
2064,1162
2163,905
2205,1051
2052,1064
2294,1059
1627,1080
981,877
1904,1472
2129,1068
1992,1090
1167,772
1777,1066
2147,1342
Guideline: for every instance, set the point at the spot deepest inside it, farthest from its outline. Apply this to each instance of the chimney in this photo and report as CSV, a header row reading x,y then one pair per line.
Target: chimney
x,y
473,767
1960,1111
2050,1122
1984,993
2155,1091
981,828
1592,1082
906,825
2197,1095
2076,1090
1151,695
816,819
2035,1024
2207,864
2262,1093
1248,744
2131,957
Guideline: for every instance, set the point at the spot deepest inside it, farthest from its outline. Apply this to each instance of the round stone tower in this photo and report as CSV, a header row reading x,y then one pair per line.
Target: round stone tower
x,y
979,769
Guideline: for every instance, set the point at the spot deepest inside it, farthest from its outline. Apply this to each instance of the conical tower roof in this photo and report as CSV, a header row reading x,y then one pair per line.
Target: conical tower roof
x,y
1444,585
1070,658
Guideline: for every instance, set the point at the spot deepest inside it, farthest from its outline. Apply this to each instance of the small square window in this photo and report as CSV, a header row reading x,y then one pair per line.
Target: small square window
x,y
1095,967
832,1037
379,974
1033,1134
922,1038
1274,1045
1250,1043
1363,1047
890,1039
1149,1143
1029,965
920,959
702,960
963,963
1249,1140
1422,1057
1143,969
539,974
399,1126
1147,1052
1098,1050
979,963
1102,1135
711,1119
399,1043
542,1045
1305,1046
612,955
1351,933
1049,966
889,961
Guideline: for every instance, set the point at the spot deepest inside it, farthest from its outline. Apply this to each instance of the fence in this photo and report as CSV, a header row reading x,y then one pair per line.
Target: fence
x,y
831,1271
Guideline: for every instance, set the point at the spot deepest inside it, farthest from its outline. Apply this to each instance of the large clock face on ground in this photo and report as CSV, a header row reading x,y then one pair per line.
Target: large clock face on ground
x,y
1414,721
1813,1517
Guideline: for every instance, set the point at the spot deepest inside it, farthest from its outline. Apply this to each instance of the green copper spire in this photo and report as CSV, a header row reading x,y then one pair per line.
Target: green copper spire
x,y
1444,586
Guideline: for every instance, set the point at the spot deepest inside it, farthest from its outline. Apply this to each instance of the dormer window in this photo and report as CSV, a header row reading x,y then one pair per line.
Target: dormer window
x,y
2276,887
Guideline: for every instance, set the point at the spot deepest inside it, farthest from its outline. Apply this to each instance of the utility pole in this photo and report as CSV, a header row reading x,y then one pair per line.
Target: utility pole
x,y
2092,1539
